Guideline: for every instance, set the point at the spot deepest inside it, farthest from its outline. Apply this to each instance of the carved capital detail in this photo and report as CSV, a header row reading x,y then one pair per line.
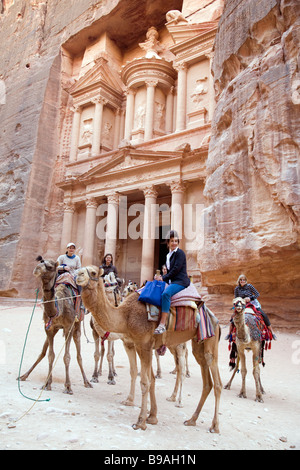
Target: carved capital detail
x,y
91,202
150,191
69,206
177,187
113,198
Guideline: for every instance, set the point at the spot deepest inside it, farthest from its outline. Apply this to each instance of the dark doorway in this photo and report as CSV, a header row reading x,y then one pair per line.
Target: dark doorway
x,y
161,249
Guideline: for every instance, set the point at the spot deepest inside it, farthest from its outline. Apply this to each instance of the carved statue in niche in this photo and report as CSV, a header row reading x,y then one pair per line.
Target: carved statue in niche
x,y
106,135
200,90
175,16
86,136
159,115
139,119
152,45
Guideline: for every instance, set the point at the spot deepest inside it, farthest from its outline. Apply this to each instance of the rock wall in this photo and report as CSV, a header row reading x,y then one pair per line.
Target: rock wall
x,y
253,167
32,33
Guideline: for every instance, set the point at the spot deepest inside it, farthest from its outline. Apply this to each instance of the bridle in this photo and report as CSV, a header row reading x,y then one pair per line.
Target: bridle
x,y
96,279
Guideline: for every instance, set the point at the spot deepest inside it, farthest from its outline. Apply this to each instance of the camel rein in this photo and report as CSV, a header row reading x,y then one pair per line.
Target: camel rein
x,y
37,400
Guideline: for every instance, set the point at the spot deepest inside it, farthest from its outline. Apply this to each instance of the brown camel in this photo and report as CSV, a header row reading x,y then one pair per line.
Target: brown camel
x,y
61,317
248,337
131,319
113,293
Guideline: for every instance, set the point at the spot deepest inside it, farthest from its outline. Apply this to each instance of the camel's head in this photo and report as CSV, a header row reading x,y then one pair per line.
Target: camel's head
x,y
89,275
45,268
239,304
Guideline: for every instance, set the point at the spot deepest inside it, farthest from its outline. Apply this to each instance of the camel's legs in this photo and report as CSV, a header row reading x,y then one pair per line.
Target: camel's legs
x,y
179,353
206,355
110,360
39,359
67,360
145,354
131,353
51,356
228,386
95,375
152,418
256,375
187,371
158,369
102,354
77,341
242,393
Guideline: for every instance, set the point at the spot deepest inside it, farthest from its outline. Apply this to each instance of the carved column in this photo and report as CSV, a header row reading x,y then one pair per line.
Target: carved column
x,y
112,224
75,133
99,105
117,128
211,90
129,113
181,97
149,118
89,231
177,208
69,210
147,267
169,111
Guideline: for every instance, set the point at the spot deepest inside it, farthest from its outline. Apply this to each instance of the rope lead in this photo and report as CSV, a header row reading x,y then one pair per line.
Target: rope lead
x,y
23,351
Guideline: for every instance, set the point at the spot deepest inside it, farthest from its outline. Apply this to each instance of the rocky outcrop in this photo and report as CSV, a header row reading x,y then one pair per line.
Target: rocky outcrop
x,y
253,168
32,101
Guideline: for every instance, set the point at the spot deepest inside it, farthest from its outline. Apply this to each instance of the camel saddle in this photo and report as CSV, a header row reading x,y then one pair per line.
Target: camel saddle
x,y
258,330
68,280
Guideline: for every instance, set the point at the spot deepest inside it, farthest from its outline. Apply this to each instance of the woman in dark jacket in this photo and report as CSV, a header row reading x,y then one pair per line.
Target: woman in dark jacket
x,y
176,277
107,265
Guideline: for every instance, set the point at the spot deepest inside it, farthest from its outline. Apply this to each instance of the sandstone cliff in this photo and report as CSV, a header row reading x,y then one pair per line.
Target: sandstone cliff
x,y
253,167
32,34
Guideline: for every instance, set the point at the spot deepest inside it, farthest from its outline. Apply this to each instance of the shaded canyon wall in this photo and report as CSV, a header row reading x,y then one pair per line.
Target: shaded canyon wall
x,y
253,177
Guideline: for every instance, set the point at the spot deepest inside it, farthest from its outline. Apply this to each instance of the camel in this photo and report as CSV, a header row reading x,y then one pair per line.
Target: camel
x,y
130,319
248,337
114,295
55,318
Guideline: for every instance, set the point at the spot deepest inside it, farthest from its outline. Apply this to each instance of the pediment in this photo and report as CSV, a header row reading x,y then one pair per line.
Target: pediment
x,y
183,32
99,75
127,161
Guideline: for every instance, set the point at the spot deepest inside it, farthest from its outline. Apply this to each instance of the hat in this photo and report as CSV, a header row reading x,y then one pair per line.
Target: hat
x,y
71,244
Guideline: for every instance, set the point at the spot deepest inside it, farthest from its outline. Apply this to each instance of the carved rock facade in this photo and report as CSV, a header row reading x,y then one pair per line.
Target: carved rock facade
x,y
252,219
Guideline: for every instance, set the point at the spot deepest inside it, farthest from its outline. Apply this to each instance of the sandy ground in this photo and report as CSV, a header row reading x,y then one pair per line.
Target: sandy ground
x,y
96,419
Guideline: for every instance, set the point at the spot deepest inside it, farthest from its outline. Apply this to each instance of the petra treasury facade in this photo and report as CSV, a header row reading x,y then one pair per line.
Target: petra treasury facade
x,y
122,119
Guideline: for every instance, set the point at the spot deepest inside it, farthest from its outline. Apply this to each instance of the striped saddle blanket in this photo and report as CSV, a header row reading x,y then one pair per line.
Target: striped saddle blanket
x,y
188,318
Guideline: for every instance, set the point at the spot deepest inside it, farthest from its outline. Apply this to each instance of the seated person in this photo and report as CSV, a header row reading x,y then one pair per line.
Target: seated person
x,y
248,292
108,267
176,277
69,262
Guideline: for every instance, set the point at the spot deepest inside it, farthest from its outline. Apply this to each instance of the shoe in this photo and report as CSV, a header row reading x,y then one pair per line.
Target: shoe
x,y
160,330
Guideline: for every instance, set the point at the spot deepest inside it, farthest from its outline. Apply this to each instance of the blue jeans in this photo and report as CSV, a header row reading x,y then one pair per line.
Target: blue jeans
x,y
171,290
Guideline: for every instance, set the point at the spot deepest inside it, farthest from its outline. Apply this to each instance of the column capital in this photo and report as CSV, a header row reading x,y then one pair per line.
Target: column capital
x,y
113,198
76,108
180,66
130,91
177,187
69,206
100,100
151,83
150,191
91,202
